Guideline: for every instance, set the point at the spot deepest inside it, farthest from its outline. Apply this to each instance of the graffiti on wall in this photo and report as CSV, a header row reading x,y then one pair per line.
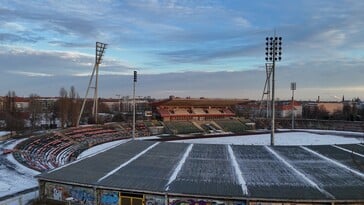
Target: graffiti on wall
x,y
283,203
56,191
154,200
109,198
60,192
83,195
190,201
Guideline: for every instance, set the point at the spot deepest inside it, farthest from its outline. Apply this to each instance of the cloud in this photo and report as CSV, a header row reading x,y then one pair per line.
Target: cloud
x,y
322,45
31,74
206,54
242,84
55,63
13,26
69,44
13,38
239,21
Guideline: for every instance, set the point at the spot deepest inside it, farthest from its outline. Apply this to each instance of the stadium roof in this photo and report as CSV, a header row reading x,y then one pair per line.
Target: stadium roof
x,y
319,173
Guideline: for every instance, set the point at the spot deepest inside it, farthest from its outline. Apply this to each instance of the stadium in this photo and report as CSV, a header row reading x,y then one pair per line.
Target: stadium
x,y
200,160
224,139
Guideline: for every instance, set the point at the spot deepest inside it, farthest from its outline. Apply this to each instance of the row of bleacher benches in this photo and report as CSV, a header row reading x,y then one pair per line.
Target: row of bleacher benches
x,y
51,150
195,111
187,127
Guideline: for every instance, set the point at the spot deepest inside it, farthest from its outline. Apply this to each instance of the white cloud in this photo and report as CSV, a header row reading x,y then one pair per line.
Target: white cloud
x,y
31,74
240,21
13,26
333,37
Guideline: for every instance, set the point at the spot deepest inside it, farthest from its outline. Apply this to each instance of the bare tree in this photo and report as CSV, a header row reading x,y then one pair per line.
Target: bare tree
x,y
12,116
74,106
35,110
63,107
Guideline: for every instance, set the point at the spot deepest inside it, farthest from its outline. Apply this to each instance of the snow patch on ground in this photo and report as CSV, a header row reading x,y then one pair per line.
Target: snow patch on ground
x,y
289,138
14,177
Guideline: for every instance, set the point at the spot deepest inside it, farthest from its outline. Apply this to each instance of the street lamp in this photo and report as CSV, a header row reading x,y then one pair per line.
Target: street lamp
x,y
273,53
293,88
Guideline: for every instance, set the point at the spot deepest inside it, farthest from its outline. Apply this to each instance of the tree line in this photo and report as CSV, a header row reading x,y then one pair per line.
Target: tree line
x,y
65,108
349,112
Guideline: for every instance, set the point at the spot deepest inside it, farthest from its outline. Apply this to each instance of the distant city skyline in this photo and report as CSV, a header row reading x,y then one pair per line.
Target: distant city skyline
x,y
183,48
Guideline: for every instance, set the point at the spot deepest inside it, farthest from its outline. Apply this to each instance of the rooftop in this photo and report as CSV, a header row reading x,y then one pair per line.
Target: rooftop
x,y
320,172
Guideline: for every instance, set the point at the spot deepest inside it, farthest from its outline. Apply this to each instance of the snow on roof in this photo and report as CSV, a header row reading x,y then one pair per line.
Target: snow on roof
x,y
275,172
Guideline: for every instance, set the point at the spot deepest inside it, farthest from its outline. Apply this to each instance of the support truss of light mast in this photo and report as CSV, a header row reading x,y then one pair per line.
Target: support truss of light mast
x,y
265,100
100,49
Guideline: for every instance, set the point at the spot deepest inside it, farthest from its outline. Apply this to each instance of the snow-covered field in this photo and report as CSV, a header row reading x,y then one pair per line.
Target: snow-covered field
x,y
14,177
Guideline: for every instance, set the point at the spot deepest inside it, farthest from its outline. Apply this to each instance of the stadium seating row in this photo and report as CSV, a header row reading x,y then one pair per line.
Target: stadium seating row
x,y
51,150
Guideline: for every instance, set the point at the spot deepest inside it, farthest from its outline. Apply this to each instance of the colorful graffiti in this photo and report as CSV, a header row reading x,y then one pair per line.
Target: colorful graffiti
x,y
82,195
182,201
109,198
154,200
284,203
56,191
60,192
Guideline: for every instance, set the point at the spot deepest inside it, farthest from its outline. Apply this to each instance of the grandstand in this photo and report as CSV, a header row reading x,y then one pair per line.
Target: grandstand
x,y
232,125
182,109
51,150
146,172
181,127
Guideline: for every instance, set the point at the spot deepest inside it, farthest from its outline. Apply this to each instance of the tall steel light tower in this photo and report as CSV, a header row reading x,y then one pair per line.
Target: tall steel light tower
x,y
100,49
134,82
293,88
273,53
266,91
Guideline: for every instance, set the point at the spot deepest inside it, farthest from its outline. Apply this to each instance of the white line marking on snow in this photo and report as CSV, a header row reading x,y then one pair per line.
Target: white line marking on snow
x,y
238,172
179,166
128,162
302,175
333,161
346,150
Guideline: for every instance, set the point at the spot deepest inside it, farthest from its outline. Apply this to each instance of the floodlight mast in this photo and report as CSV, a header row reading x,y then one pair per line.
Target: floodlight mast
x,y
266,91
273,53
293,88
100,49
134,108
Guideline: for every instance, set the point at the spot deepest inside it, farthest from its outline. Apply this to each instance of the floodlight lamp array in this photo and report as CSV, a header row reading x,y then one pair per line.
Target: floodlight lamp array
x,y
273,49
100,49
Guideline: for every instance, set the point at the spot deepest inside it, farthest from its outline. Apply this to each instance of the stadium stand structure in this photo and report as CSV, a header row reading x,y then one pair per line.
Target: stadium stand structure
x,y
182,109
51,150
232,125
161,173
181,127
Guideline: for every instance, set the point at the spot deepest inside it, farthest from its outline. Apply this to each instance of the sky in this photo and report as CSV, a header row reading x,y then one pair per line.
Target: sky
x,y
185,48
